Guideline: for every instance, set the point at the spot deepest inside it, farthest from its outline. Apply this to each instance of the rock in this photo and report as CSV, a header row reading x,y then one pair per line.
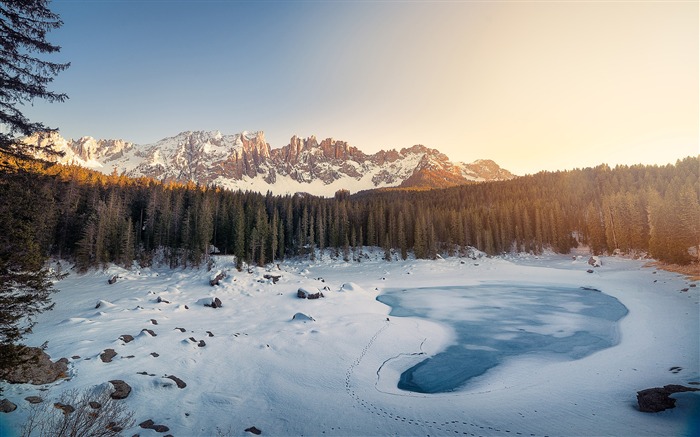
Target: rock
x,y
161,300
6,406
112,426
595,261
180,383
253,430
351,286
121,389
201,343
36,368
67,409
216,278
149,424
154,321
211,303
653,400
209,333
126,338
303,317
274,278
107,355
305,293
154,355
112,280
34,399
150,332
589,271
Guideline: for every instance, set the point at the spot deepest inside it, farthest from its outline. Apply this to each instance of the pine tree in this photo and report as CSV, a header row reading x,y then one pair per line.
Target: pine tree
x,y
25,282
24,77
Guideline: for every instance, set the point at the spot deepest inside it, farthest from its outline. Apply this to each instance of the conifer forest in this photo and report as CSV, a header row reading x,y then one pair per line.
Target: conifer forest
x,y
93,219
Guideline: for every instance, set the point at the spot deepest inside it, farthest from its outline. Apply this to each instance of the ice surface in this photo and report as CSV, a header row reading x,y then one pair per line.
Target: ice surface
x,y
573,322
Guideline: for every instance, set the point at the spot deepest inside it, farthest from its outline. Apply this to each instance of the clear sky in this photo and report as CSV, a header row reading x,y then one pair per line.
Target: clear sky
x,y
540,85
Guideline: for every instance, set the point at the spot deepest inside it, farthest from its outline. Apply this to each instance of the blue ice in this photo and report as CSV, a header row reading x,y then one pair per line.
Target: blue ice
x,y
496,321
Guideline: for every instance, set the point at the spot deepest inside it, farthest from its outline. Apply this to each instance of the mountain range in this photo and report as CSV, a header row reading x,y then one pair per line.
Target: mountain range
x,y
246,161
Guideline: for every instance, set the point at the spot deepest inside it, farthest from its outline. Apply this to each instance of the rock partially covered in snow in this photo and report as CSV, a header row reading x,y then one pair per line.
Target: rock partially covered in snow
x,y
211,302
309,293
37,368
595,261
216,278
351,286
121,389
303,317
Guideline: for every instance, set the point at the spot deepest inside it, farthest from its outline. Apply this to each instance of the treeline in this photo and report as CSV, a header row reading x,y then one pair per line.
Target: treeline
x,y
94,219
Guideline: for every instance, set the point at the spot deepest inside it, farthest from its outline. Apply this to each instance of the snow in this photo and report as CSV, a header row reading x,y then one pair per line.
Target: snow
x,y
336,373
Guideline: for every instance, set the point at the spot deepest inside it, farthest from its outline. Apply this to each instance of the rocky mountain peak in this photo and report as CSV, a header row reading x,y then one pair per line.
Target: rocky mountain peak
x,y
246,161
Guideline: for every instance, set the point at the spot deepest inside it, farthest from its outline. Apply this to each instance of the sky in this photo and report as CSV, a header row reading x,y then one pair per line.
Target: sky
x,y
533,85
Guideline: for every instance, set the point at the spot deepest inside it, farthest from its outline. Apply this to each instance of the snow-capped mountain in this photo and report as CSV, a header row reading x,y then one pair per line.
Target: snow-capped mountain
x,y
246,161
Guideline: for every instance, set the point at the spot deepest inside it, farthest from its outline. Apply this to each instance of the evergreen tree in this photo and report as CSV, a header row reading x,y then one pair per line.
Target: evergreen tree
x,y
23,76
25,283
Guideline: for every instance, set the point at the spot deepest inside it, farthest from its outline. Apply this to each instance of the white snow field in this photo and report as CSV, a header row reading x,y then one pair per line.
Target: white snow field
x,y
331,366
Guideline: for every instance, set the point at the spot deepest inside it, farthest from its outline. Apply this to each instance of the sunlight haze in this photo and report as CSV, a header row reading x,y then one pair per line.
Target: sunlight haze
x,y
532,85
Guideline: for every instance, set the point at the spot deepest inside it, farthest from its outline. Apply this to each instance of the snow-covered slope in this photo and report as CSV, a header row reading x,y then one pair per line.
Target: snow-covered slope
x,y
335,371
246,161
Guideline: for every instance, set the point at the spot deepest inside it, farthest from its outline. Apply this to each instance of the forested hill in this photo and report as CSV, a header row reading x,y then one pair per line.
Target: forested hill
x,y
92,219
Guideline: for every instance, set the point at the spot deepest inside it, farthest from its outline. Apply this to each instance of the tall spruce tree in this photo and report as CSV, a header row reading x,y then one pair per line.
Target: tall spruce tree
x,y
24,77
25,284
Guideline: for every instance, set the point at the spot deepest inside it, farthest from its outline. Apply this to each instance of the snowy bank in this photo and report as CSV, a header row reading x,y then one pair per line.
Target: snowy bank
x,y
253,362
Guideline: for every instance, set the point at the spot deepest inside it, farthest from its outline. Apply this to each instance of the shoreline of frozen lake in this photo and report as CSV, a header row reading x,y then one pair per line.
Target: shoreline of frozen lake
x,y
288,376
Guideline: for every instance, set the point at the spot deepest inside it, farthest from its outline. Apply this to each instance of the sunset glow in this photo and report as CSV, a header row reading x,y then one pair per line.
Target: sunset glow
x,y
531,85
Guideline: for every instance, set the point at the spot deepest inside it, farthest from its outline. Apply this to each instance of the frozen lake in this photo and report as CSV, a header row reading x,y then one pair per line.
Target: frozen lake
x,y
495,322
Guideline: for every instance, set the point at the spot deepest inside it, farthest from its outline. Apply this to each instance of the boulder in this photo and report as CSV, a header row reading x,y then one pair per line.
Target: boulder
x,y
303,317
149,424
273,278
6,406
216,278
180,383
306,293
351,286
34,399
595,261
253,430
211,302
653,400
36,368
149,332
121,389
112,280
126,338
67,409
107,355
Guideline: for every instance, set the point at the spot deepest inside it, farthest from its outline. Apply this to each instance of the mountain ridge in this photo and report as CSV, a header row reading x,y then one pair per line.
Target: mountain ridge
x,y
246,161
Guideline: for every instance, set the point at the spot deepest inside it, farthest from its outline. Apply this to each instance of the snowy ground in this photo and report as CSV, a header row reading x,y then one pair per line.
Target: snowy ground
x,y
322,376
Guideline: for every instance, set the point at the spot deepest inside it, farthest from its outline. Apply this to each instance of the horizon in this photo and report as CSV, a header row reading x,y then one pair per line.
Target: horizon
x,y
319,139
532,86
